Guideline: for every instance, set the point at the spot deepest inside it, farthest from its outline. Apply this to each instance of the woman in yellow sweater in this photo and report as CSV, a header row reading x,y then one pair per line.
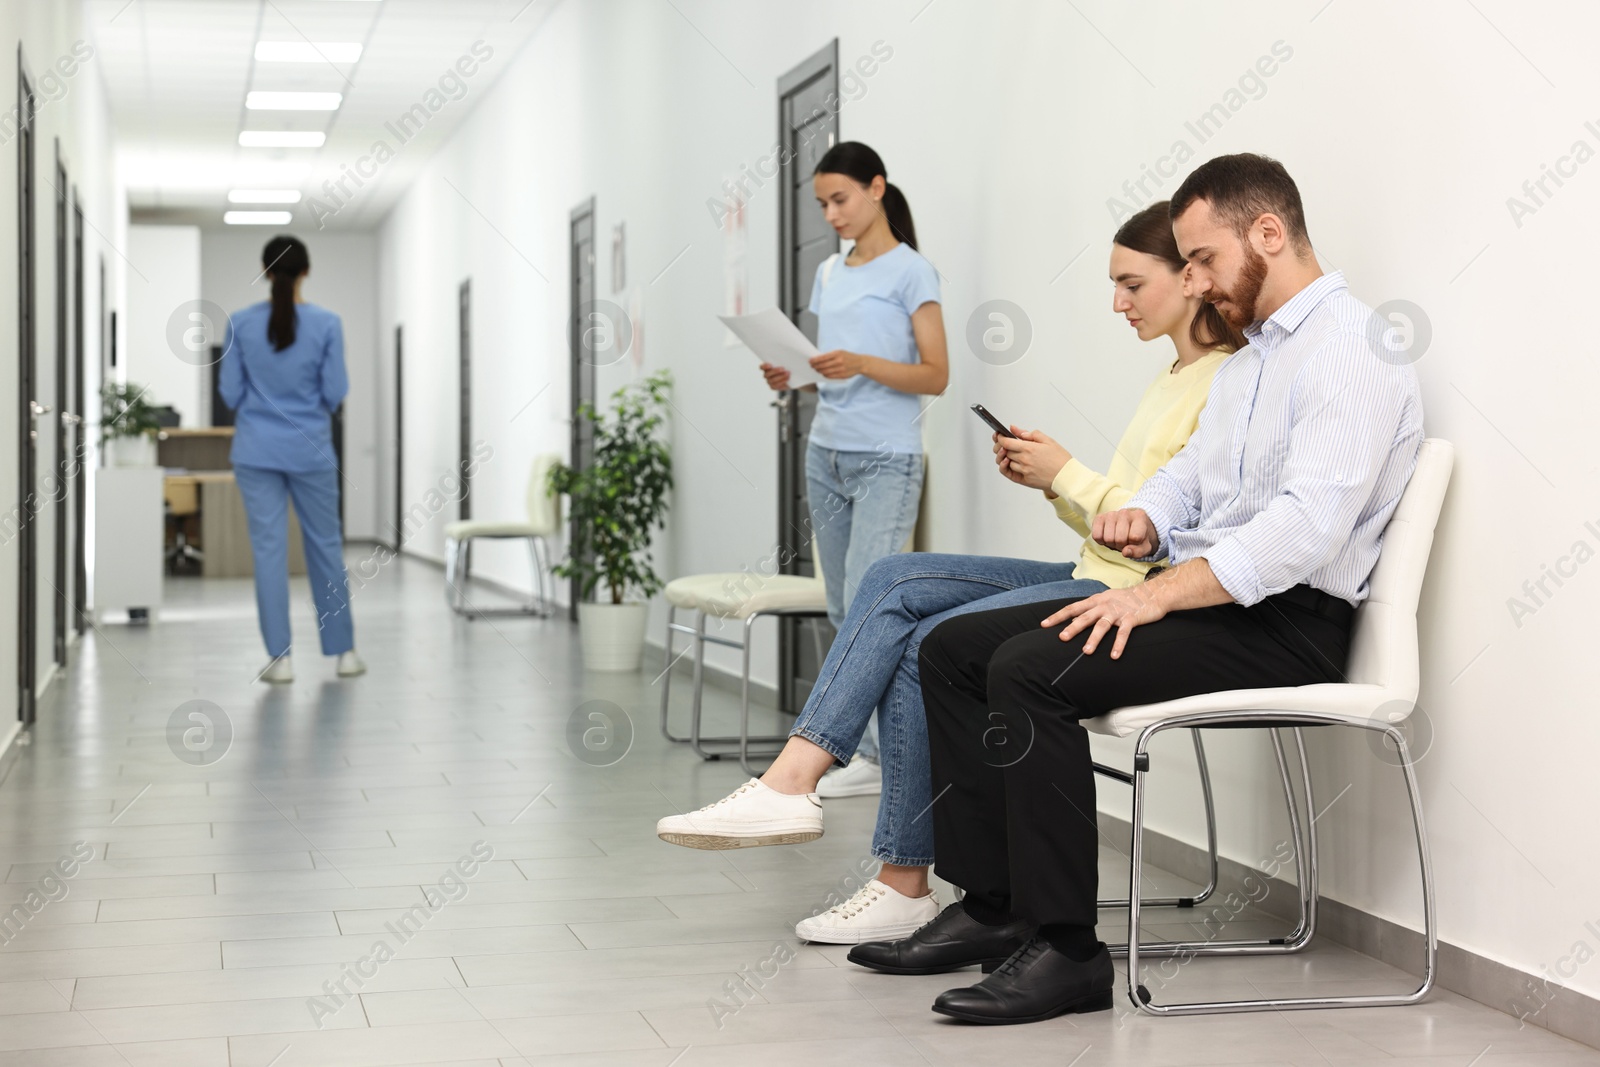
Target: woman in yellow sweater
x,y
873,660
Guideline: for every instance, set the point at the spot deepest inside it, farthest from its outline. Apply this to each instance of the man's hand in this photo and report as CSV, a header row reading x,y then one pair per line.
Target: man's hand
x,y
1120,608
1029,458
838,364
1128,531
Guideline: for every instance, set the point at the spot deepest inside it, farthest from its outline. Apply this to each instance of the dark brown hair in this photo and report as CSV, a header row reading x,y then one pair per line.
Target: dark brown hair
x,y
1150,232
861,164
285,259
1240,189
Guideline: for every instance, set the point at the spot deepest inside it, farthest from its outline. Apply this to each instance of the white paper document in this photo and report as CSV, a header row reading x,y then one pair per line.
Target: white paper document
x,y
776,340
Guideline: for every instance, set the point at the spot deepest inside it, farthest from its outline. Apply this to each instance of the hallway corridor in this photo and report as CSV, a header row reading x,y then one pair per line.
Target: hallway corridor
x,y
232,908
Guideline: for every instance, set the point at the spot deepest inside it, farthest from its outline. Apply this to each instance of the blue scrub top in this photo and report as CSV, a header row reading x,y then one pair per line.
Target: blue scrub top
x,y
868,309
283,401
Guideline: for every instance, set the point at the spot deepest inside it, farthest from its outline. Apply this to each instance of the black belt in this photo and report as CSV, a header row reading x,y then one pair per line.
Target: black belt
x,y
1330,607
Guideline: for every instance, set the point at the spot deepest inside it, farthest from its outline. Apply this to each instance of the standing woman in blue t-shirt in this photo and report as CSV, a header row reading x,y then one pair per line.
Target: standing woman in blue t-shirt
x,y
883,348
283,375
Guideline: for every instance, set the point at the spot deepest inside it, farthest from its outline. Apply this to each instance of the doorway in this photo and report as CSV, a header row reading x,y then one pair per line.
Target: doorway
x,y
80,444
584,385
31,409
399,437
61,491
807,127
464,345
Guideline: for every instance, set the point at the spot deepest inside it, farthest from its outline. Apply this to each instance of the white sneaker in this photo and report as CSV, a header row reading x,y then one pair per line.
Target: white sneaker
x,y
876,913
350,664
861,777
279,670
754,814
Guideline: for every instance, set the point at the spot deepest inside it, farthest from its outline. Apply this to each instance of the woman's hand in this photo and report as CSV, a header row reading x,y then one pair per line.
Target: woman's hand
x,y
777,377
838,364
1029,458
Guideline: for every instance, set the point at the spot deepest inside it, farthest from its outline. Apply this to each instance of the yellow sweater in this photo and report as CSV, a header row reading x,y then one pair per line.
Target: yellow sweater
x,y
1160,427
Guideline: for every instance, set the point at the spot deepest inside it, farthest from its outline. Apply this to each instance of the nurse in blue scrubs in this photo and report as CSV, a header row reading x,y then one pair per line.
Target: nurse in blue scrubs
x,y
283,375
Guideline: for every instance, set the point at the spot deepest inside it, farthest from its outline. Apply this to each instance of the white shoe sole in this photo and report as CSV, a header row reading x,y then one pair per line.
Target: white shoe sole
x,y
352,674
848,937
721,842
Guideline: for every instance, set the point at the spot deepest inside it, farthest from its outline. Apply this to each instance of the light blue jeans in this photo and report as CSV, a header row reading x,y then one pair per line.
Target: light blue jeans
x,y
873,663
266,496
863,508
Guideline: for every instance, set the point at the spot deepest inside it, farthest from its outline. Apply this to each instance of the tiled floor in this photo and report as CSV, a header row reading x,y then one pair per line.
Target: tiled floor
x,y
241,910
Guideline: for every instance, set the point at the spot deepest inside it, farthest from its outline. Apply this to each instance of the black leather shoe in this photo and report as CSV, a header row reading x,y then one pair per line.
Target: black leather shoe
x,y
949,942
1036,983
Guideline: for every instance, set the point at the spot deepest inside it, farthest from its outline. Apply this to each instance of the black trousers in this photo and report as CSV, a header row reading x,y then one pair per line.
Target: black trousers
x,y
1013,783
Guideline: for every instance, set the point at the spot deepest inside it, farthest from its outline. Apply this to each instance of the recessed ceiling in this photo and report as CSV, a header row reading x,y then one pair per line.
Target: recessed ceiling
x,y
178,73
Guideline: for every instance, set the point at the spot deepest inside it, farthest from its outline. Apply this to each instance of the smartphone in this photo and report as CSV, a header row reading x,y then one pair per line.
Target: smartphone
x,y
995,424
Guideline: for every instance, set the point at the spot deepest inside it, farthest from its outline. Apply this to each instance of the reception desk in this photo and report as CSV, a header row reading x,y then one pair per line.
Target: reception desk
x,y
200,484
224,536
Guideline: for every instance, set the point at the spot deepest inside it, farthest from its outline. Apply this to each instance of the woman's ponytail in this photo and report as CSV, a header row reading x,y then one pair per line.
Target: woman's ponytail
x,y
861,164
285,259
898,212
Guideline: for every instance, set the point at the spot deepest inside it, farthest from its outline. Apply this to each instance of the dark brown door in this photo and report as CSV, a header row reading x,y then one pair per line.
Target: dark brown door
x,y
807,127
31,409
584,381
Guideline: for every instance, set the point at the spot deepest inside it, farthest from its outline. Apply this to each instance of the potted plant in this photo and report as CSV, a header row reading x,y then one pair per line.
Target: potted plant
x,y
128,426
617,502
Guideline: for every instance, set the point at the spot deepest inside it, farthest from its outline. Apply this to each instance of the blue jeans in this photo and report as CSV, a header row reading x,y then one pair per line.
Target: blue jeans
x,y
873,663
316,504
863,508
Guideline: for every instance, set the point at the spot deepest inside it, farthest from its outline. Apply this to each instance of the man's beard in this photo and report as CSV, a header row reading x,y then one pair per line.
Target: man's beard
x,y
1241,310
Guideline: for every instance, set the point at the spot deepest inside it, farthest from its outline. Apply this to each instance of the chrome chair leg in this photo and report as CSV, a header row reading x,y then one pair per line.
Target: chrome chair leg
x,y
745,739
1213,946
1139,993
451,597
1211,835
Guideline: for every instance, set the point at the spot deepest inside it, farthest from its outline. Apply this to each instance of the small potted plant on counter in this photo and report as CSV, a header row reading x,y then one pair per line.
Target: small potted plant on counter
x,y
128,426
617,502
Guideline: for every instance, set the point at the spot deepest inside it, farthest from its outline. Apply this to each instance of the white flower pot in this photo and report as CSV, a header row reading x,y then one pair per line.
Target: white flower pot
x,y
612,636
136,451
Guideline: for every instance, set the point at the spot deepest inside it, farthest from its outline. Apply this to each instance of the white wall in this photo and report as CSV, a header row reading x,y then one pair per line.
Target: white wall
x,y
58,55
343,279
163,286
1010,125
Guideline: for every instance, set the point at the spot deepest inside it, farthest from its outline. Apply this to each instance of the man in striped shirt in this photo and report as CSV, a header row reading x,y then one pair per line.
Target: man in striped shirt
x,y
1270,520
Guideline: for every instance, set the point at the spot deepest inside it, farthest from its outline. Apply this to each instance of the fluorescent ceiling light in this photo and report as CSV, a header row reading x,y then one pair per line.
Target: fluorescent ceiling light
x,y
263,196
256,218
281,138
307,52
273,101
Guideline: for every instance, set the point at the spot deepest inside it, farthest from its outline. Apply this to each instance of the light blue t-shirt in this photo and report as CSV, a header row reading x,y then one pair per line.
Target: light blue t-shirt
x,y
867,309
283,401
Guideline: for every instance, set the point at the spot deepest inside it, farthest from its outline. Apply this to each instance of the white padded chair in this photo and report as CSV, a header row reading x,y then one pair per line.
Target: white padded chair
x,y
1379,695
543,520
739,597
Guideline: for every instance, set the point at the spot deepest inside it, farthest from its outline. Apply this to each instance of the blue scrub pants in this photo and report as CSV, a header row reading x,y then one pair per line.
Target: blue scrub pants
x,y
316,502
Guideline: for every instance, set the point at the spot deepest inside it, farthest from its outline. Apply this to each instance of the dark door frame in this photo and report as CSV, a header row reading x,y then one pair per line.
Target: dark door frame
x,y
464,445
27,579
80,493
584,378
399,436
63,606
793,528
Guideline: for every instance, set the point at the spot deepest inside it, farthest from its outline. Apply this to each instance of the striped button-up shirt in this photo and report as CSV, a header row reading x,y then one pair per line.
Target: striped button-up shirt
x,y
1300,456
